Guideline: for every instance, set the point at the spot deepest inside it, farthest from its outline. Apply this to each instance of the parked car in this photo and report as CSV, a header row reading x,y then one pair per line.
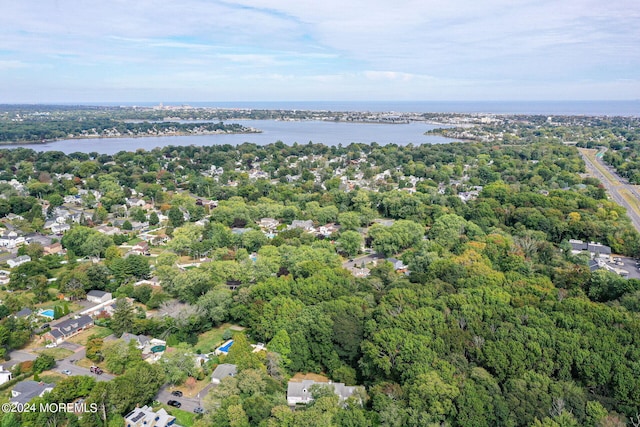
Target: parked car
x,y
66,372
174,403
198,410
96,370
176,393
45,326
51,345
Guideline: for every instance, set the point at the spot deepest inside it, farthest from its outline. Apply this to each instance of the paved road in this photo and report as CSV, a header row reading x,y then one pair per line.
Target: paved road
x,y
69,363
614,187
188,404
17,356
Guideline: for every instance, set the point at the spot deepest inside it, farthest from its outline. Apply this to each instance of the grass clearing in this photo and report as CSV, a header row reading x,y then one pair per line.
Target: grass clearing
x,y
57,353
591,154
629,197
83,336
183,418
193,391
210,340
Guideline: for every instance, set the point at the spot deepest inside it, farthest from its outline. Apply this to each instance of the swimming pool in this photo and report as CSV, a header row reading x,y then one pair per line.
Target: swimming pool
x,y
225,348
47,313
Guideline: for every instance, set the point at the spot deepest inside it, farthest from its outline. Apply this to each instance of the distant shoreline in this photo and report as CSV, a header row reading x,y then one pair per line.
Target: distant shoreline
x,y
47,141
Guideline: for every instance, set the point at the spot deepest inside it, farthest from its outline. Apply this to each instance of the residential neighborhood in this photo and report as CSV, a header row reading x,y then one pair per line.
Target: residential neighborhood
x,y
358,285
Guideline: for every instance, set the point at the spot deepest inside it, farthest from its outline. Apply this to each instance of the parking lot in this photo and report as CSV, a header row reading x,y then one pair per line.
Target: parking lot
x,y
629,264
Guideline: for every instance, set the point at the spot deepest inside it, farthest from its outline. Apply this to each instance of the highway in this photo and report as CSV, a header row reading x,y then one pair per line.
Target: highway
x,y
614,188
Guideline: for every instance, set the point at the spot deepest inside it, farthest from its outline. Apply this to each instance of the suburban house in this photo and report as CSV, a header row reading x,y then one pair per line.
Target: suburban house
x,y
328,229
268,224
52,249
99,296
102,307
24,391
107,230
24,313
12,240
594,249
60,228
222,371
140,248
398,265
68,328
5,376
305,225
135,202
152,281
300,392
149,346
146,417
4,277
14,262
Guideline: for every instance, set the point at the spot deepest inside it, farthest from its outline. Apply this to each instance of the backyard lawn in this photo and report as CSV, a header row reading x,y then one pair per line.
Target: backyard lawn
x,y
183,418
210,340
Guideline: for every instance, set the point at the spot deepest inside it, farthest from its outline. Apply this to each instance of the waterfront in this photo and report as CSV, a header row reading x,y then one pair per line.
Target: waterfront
x,y
289,132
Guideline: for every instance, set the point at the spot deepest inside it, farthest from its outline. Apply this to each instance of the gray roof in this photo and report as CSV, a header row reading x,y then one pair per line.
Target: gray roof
x,y
579,245
296,223
140,339
24,391
302,389
224,370
24,312
96,293
70,326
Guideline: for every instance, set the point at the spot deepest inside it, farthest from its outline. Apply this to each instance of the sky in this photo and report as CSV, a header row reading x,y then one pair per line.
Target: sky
x,y
323,50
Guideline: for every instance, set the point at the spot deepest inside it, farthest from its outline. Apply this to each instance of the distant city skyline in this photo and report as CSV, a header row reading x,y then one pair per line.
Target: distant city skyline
x,y
351,50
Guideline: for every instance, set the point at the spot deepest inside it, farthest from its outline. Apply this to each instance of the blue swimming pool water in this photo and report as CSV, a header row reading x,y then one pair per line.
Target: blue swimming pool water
x,y
48,313
226,348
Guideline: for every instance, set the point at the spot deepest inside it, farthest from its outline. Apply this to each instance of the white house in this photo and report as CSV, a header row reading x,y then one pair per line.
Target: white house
x,y
5,376
222,371
14,262
146,417
99,297
300,392
4,277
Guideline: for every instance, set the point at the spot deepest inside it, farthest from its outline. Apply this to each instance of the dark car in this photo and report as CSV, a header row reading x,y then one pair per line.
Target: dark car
x,y
176,393
174,403
198,410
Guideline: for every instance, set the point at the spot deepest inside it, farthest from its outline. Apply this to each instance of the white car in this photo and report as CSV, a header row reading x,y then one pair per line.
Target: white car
x,y
66,372
51,345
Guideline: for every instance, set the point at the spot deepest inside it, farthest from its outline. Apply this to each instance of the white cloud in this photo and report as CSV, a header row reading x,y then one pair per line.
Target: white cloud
x,y
419,48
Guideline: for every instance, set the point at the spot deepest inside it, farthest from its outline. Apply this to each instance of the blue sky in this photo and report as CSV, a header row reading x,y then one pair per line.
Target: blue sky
x,y
270,50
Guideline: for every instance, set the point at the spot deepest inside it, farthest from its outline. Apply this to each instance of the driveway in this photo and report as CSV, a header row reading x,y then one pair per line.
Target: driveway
x,y
17,356
70,346
188,404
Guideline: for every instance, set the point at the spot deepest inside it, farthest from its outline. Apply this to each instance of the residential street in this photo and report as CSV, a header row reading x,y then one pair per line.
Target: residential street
x,y
17,356
188,404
